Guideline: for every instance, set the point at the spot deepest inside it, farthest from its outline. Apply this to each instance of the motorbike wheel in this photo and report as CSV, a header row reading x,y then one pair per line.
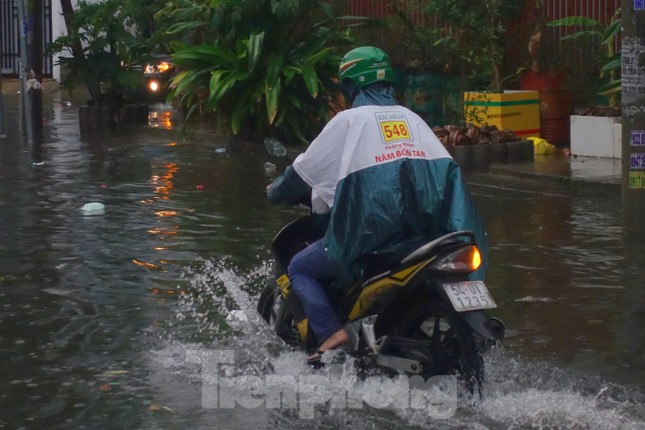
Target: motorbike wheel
x,y
451,343
265,302
274,311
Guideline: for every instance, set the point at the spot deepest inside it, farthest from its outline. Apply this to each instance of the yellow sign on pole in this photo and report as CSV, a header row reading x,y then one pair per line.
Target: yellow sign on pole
x,y
637,180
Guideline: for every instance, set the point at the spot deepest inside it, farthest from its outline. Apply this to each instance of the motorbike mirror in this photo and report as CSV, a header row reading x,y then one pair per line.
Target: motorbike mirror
x,y
275,147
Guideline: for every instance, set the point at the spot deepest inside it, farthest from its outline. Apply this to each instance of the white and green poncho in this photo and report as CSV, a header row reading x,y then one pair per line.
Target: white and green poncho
x,y
384,177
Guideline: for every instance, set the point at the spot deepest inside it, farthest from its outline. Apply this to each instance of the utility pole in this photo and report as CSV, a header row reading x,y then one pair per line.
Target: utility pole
x,y
31,66
633,115
34,20
2,132
26,102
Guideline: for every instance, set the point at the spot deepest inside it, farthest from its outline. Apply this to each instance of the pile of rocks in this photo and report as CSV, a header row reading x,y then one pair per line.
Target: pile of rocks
x,y
476,148
452,135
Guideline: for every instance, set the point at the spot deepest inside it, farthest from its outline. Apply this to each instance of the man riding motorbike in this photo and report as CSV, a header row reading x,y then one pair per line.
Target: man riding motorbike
x,y
379,179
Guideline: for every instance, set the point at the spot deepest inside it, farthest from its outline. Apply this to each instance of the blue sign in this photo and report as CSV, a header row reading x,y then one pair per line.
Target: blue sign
x,y
637,161
639,4
638,137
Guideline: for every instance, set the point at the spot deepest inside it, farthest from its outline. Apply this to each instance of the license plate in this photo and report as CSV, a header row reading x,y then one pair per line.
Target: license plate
x,y
469,296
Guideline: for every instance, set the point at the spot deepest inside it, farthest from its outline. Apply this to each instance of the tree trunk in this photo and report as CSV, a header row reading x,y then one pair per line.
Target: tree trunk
x,y
68,15
77,47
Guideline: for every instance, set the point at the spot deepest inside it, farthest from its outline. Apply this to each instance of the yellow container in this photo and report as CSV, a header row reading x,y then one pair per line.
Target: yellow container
x,y
518,111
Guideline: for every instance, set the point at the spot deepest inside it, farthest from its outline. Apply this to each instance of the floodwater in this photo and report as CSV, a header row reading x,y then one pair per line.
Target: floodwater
x,y
110,320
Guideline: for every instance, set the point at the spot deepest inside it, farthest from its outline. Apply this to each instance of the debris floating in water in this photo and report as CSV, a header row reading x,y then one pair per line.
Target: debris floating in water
x,y
269,167
93,209
534,299
275,147
160,408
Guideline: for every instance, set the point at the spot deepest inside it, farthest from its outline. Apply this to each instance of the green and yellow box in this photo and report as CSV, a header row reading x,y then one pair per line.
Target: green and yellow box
x,y
518,111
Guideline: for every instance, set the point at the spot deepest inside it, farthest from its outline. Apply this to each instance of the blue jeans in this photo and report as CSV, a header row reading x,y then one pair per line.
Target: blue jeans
x,y
305,271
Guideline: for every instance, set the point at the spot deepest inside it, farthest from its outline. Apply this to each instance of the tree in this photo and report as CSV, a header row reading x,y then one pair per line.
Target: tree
x,y
108,43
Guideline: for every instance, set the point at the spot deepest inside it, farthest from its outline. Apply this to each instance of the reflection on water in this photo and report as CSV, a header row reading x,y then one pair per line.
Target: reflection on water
x,y
566,277
162,116
97,312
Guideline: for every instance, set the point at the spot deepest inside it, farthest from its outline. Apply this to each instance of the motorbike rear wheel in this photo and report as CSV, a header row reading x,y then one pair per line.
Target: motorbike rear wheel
x,y
452,347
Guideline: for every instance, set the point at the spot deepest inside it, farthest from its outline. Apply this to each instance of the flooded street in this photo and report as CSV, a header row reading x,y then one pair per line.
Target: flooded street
x,y
104,318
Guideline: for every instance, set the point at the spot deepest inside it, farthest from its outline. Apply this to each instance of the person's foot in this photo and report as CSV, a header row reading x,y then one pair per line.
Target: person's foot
x,y
332,342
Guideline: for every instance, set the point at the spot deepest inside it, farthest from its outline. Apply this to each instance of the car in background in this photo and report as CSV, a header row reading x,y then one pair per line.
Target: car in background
x,y
156,76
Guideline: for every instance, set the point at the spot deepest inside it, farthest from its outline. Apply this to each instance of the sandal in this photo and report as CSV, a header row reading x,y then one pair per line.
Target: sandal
x,y
332,342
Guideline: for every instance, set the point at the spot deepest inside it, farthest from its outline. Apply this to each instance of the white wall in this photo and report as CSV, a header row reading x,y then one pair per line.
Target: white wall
x,y
594,136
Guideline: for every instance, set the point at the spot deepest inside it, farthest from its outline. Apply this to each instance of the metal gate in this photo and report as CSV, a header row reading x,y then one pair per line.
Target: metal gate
x,y
10,37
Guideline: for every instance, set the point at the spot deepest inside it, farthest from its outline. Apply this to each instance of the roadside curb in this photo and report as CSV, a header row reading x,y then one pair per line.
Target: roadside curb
x,y
517,171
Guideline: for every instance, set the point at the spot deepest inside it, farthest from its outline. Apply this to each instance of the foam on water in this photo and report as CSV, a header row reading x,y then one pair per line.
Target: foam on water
x,y
524,393
519,393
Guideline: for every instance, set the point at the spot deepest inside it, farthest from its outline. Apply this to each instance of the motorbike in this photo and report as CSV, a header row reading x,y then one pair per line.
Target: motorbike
x,y
413,312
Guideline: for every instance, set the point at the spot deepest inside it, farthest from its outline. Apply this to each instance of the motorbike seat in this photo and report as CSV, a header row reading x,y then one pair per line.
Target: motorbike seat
x,y
379,263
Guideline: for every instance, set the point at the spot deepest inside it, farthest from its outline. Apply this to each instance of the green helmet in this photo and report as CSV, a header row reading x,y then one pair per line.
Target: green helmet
x,y
365,65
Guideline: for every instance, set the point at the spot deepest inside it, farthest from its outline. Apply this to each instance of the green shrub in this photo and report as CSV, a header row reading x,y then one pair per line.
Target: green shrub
x,y
269,66
605,37
105,48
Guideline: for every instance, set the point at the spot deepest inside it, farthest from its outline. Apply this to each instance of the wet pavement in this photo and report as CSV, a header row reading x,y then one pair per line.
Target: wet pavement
x,y
101,316
566,169
561,167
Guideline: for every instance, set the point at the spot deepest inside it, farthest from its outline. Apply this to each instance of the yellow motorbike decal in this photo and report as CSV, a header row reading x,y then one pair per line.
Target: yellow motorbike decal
x,y
284,285
285,289
303,329
372,292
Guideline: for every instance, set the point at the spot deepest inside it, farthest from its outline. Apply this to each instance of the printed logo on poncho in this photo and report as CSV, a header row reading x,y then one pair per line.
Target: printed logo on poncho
x,y
394,127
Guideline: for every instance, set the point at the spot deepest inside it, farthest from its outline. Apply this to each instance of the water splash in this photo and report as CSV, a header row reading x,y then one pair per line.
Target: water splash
x,y
529,394
519,393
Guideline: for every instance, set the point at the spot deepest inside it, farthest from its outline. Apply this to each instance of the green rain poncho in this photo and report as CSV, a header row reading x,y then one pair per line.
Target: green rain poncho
x,y
383,177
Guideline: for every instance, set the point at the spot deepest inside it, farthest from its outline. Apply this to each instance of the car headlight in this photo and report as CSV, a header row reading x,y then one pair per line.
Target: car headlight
x,y
163,66
160,67
153,86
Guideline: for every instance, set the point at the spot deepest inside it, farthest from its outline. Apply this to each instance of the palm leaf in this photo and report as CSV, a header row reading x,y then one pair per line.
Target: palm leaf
x,y
274,67
185,26
272,94
583,33
610,88
612,65
311,79
228,82
568,21
240,111
255,49
611,31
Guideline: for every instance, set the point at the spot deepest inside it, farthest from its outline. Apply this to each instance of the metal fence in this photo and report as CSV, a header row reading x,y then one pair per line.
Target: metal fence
x,y
519,29
10,37
601,10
